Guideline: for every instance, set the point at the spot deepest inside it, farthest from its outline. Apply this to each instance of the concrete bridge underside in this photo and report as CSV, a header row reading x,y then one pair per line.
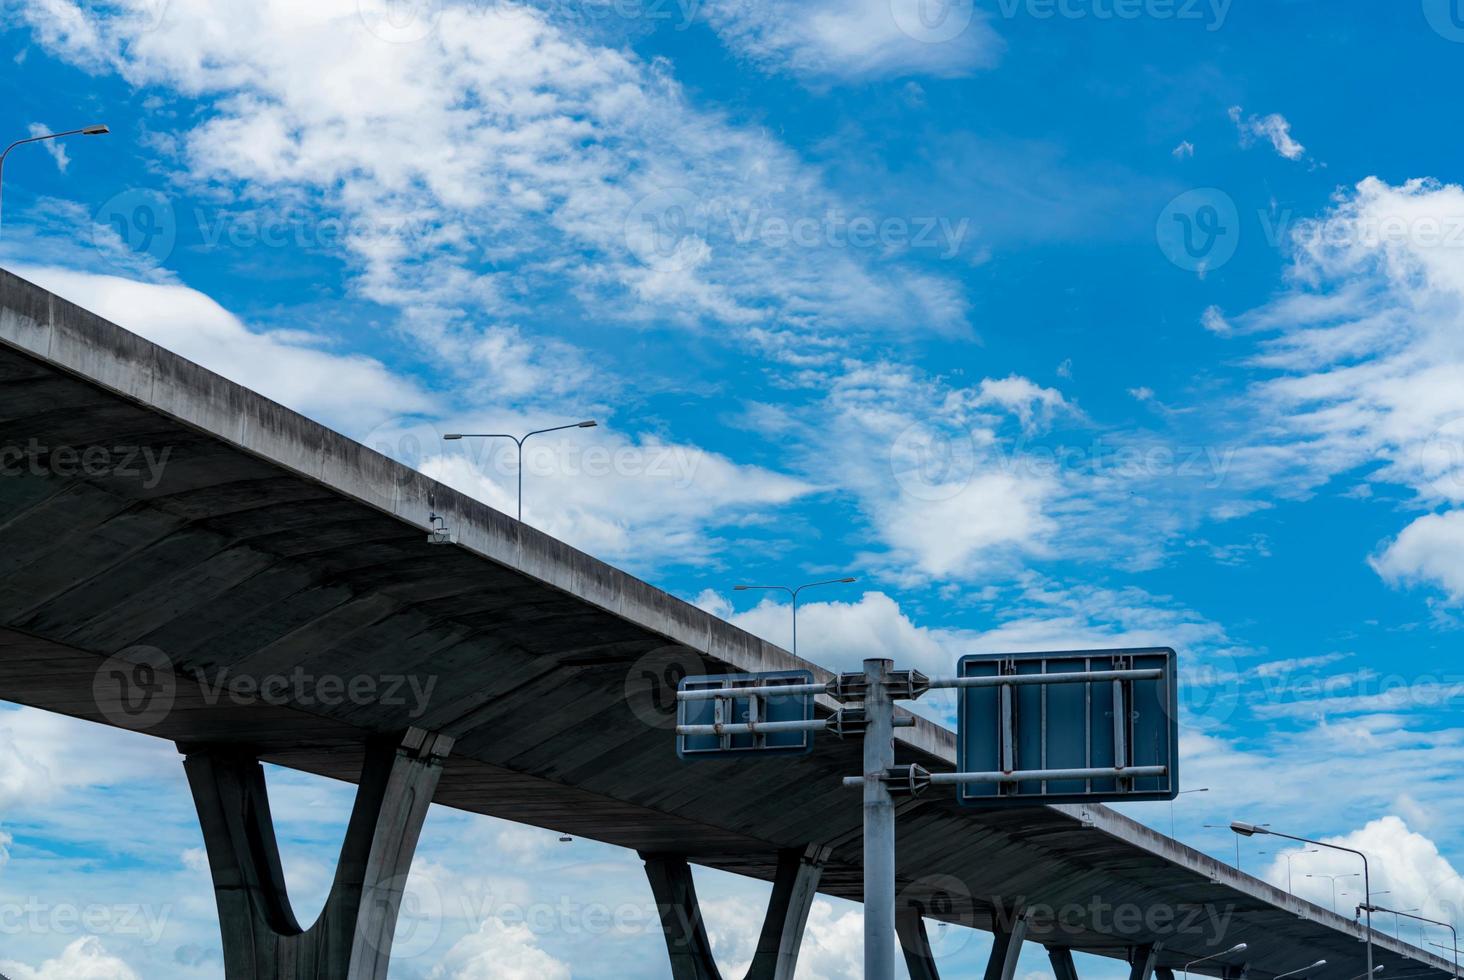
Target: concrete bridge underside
x,y
269,546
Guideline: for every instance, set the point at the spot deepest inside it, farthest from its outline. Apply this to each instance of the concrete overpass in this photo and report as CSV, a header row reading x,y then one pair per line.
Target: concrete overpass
x,y
265,590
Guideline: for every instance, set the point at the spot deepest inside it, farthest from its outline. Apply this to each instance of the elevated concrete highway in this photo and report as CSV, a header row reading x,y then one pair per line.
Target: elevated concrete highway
x,y
153,510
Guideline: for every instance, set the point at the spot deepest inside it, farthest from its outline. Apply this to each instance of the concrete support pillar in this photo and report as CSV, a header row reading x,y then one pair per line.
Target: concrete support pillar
x,y
1163,973
1006,947
1063,967
915,942
1142,960
352,938
776,958
782,933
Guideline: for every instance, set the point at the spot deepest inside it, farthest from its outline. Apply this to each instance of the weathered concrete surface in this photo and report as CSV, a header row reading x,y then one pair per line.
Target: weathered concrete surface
x,y
270,544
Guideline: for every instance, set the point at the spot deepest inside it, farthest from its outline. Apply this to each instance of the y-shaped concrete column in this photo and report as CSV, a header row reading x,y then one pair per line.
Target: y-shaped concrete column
x,y
1142,960
782,933
352,938
1006,947
1062,963
915,942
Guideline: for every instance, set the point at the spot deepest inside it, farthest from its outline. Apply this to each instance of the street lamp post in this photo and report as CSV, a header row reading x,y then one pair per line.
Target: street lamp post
x,y
1306,969
1243,829
1334,884
1183,792
1237,948
1436,922
97,130
794,594
519,441
1288,856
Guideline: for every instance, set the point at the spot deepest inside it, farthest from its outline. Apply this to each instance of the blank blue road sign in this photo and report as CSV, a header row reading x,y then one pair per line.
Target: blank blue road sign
x,y
739,710
1067,726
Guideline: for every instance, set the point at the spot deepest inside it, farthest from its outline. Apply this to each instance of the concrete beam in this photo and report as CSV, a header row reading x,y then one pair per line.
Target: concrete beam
x,y
352,938
794,887
1006,948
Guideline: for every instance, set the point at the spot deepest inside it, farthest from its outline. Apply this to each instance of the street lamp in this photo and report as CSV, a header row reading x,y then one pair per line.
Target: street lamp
x,y
1334,884
794,594
1435,922
1370,973
1183,792
96,130
1237,948
519,441
1243,829
1306,969
1288,856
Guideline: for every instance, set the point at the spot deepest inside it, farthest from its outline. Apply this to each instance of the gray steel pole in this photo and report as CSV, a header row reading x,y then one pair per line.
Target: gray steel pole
x,y
879,825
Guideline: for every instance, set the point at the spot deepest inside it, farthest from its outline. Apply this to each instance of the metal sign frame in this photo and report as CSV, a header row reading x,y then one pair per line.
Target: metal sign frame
x,y
1005,727
759,722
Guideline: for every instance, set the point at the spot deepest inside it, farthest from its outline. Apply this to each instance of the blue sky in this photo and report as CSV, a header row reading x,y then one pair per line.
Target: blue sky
x,y
1089,322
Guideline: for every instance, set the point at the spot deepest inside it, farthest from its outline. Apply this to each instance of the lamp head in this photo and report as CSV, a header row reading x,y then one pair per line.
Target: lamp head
x,y
1247,829
850,579
99,129
453,435
1237,948
589,424
739,588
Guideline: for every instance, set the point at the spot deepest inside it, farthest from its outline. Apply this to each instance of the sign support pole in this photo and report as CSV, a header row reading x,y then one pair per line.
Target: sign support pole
x,y
879,824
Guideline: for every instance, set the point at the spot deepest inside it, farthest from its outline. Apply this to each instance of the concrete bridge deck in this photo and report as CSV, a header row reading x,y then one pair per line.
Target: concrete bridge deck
x,y
269,547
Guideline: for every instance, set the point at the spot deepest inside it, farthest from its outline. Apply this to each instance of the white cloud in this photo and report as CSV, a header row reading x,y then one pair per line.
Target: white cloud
x,y
1183,151
55,148
618,497
1403,863
559,167
1362,365
83,959
855,39
290,367
1430,550
497,951
1273,128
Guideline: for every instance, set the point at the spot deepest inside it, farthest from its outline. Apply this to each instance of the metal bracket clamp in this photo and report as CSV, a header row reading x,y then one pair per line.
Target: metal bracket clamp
x,y
906,685
849,722
911,780
849,687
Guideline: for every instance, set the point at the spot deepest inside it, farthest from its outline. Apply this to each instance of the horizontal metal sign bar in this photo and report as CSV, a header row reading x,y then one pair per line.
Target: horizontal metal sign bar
x,y
766,691
754,728
1031,775
1081,677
